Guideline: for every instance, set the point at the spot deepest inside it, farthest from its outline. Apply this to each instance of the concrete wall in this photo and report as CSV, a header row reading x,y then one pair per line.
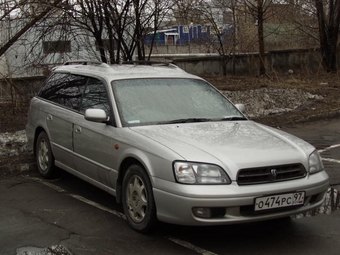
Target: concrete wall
x,y
23,88
247,64
296,60
182,49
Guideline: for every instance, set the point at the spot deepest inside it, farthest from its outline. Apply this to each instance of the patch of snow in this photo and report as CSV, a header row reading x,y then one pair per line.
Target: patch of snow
x,y
267,101
51,250
12,144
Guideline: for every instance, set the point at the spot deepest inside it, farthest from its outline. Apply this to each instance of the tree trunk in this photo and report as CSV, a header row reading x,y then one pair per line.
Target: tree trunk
x,y
328,33
100,43
260,18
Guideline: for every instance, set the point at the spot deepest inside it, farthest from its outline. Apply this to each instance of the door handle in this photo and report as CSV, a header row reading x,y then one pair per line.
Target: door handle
x,y
77,129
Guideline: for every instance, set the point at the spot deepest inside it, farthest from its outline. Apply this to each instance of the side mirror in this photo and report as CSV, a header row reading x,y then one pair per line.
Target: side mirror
x,y
96,115
241,107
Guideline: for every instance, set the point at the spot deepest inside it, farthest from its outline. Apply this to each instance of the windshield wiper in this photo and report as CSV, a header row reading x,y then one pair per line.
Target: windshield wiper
x,y
192,120
188,120
233,118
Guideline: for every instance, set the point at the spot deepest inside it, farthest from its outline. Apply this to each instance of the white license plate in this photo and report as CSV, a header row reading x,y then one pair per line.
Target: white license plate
x,y
279,201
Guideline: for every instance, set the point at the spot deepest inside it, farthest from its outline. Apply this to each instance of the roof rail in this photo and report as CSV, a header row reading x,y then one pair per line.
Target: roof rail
x,y
146,62
85,62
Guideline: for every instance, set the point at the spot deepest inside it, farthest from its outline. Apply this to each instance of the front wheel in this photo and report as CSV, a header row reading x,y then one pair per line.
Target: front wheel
x,y
137,198
44,156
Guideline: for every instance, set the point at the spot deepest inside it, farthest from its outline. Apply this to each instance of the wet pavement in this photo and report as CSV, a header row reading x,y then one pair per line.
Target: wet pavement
x,y
52,218
325,136
330,205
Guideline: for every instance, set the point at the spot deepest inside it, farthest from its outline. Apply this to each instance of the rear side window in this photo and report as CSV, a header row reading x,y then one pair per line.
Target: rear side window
x,y
64,89
53,85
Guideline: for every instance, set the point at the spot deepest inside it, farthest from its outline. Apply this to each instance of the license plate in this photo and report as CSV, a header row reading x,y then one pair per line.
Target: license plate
x,y
279,201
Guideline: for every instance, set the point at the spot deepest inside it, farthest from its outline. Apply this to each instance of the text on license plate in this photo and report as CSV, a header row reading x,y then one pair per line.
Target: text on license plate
x,y
279,201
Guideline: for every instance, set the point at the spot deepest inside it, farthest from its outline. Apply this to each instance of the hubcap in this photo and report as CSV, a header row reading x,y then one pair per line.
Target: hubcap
x,y
136,198
43,158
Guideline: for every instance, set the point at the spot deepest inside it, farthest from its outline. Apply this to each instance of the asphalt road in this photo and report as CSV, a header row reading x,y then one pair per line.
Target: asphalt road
x,y
325,136
69,216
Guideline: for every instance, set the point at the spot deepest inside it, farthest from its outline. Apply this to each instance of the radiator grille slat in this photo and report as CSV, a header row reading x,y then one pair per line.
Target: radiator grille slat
x,y
270,174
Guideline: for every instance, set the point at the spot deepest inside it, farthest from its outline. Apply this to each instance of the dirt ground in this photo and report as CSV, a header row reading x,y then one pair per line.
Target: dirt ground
x,y
298,98
277,101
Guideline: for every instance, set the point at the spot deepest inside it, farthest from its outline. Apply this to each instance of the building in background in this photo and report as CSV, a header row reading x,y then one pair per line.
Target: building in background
x,y
42,48
180,35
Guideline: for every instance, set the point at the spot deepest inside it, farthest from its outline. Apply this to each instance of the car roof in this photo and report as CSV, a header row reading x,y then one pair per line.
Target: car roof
x,y
129,70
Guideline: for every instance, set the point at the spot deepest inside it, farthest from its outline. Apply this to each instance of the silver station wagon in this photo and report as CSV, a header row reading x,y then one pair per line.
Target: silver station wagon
x,y
169,147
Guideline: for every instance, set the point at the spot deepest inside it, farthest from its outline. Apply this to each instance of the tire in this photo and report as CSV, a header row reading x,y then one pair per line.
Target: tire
x,y
44,156
137,199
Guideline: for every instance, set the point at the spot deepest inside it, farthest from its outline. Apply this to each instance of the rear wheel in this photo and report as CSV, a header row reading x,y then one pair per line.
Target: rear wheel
x,y
44,156
138,201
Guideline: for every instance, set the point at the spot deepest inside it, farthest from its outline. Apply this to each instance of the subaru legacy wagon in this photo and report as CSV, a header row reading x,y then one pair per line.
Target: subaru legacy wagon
x,y
169,146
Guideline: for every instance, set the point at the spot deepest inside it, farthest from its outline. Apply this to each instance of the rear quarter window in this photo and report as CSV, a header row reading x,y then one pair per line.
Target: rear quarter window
x,y
64,89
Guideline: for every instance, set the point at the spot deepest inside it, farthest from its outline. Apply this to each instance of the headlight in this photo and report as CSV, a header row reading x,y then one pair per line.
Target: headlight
x,y
198,173
315,163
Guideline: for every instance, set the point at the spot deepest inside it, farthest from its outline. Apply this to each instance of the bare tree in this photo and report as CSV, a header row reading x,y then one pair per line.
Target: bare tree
x,y
11,7
231,10
222,16
328,13
89,15
161,14
319,21
187,11
258,9
234,9
146,17
17,20
119,26
305,23
141,23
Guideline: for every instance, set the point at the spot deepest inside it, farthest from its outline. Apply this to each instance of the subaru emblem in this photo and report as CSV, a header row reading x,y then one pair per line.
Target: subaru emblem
x,y
273,172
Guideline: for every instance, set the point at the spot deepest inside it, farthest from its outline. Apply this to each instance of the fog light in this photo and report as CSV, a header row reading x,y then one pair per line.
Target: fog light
x,y
202,212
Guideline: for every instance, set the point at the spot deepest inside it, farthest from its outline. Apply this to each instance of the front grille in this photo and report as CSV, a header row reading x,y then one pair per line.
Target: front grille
x,y
270,174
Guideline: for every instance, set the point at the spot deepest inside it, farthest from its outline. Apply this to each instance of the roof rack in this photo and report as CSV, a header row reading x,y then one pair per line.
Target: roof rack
x,y
146,62
85,62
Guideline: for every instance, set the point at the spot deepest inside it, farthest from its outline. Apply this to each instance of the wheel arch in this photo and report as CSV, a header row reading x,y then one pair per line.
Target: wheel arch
x,y
126,163
38,130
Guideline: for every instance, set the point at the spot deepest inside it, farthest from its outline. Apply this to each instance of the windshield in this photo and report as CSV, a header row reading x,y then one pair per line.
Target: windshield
x,y
163,101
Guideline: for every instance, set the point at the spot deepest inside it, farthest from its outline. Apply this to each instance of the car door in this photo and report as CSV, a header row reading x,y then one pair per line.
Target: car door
x,y
63,93
94,142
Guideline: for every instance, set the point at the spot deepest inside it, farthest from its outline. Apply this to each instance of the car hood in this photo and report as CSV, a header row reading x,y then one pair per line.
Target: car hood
x,y
232,145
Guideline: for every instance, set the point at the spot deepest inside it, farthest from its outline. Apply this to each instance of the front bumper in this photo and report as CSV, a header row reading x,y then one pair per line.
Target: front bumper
x,y
175,202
